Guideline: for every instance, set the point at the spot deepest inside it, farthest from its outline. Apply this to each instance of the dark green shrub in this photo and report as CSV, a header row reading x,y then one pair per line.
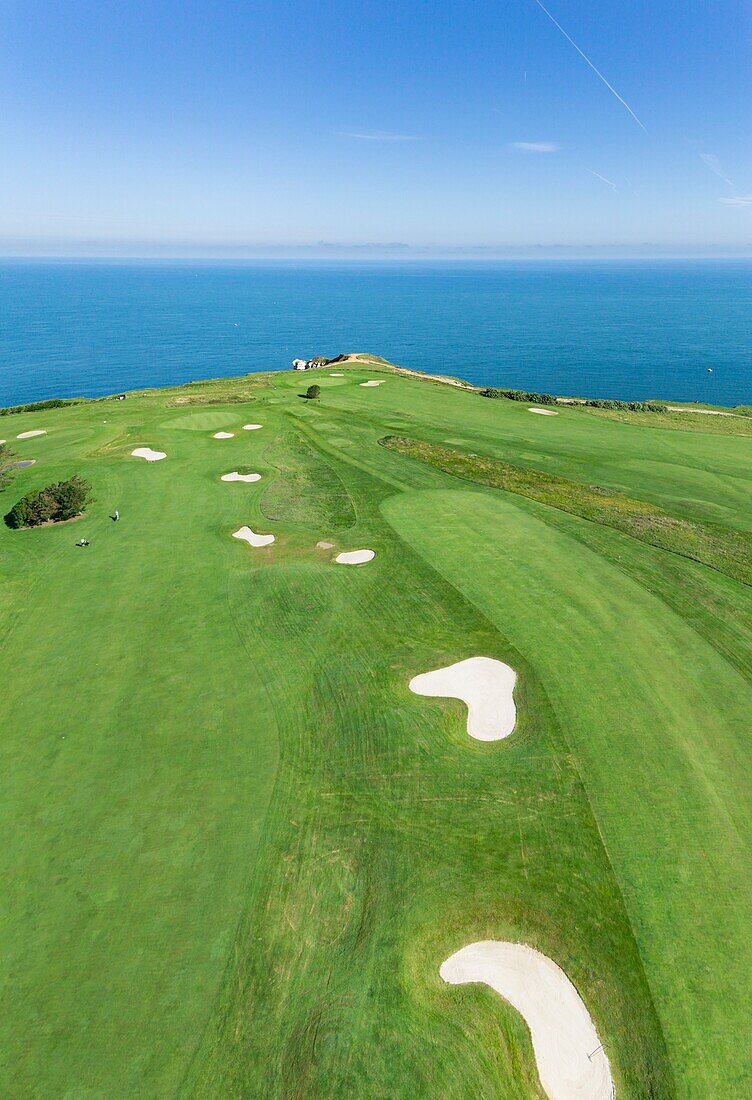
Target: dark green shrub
x,y
589,402
40,506
58,502
39,406
313,392
71,497
16,517
630,406
520,395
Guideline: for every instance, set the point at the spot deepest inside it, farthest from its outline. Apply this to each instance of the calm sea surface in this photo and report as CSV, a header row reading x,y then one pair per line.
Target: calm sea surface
x,y
632,330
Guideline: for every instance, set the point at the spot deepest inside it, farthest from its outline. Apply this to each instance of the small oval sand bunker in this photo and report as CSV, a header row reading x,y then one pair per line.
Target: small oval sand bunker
x,y
249,536
543,412
235,476
30,435
252,427
355,557
572,1064
223,435
485,685
149,454
373,382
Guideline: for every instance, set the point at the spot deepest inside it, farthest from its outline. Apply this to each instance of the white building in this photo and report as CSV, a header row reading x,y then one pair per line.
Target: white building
x,y
310,364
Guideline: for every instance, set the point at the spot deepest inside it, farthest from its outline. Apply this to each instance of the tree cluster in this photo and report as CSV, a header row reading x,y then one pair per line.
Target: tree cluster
x,y
53,504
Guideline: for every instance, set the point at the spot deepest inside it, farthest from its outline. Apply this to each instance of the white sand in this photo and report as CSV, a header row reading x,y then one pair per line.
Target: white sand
x,y
252,538
149,454
235,476
336,376
252,427
223,435
373,382
324,545
543,412
485,685
30,435
705,412
3,441
355,557
571,1063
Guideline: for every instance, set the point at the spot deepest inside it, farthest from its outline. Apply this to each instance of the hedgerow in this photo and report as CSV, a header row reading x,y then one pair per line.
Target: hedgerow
x,y
40,406
532,398
520,395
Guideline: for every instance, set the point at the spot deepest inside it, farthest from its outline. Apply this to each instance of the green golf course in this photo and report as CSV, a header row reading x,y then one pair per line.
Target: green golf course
x,y
237,848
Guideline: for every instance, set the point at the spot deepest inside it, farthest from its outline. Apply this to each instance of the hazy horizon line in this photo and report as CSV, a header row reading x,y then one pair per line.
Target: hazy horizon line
x,y
142,251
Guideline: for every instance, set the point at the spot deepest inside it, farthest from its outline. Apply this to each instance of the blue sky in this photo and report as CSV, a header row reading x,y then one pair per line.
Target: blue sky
x,y
199,127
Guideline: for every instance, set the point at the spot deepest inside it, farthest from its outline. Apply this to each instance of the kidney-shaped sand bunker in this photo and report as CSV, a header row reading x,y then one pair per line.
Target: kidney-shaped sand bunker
x,y
149,454
485,685
249,536
355,557
572,1064
235,476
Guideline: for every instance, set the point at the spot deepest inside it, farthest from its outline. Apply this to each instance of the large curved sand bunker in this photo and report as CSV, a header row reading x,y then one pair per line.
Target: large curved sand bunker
x,y
544,412
223,435
249,536
485,685
30,435
235,476
149,454
572,1064
373,382
355,557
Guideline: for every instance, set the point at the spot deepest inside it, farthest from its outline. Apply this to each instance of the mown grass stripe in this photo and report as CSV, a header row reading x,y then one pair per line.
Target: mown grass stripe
x,y
730,552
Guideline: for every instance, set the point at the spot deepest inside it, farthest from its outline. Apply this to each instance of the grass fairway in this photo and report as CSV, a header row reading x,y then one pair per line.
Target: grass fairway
x,y
237,848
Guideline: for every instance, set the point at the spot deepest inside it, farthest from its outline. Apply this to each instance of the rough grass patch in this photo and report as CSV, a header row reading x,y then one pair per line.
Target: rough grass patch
x,y
728,551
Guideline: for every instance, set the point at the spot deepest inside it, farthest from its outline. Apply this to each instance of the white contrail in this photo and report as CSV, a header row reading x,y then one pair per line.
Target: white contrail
x,y
711,161
590,63
603,179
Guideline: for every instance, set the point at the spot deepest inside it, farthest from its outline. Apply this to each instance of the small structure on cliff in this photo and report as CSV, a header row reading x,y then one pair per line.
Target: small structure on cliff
x,y
310,364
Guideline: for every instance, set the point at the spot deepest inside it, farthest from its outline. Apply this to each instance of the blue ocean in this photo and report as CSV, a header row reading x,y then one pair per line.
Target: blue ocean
x,y
626,329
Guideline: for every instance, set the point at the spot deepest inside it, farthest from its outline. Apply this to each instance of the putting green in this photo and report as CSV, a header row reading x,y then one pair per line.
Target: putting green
x,y
237,847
